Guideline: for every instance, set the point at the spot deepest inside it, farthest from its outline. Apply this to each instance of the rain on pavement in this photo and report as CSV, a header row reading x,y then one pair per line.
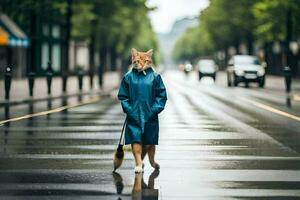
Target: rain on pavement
x,y
215,143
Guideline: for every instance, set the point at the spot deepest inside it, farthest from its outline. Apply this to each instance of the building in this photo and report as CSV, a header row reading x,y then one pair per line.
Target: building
x,y
47,37
13,47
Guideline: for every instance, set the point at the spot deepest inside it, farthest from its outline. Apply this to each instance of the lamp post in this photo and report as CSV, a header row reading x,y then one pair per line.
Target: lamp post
x,y
80,74
287,71
69,14
64,77
31,83
293,47
288,78
7,81
49,76
91,75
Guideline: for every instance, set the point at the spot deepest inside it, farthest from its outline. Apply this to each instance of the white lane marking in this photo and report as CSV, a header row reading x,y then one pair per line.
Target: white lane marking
x,y
271,109
239,125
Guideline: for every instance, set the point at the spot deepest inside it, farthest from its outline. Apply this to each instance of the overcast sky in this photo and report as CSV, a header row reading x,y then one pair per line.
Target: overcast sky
x,y
168,11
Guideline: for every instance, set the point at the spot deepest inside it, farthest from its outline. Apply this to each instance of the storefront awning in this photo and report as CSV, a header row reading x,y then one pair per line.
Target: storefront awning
x,y
10,34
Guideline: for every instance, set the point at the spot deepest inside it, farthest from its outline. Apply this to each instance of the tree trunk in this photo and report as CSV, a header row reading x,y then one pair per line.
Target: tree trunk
x,y
101,68
108,59
65,67
113,59
250,40
92,59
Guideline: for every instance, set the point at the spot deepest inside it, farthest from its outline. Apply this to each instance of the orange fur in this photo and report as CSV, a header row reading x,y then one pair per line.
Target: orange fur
x,y
142,60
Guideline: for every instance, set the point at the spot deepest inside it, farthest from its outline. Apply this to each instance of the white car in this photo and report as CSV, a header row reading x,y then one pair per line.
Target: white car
x,y
207,67
245,68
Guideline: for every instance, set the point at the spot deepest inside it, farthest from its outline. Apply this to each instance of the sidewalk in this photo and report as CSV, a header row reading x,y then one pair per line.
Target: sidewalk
x,y
19,92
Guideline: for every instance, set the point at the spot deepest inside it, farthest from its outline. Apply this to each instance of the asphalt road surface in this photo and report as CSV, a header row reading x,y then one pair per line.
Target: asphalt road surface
x,y
215,143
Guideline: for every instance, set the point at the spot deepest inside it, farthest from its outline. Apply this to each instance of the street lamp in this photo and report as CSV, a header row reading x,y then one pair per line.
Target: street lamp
x,y
49,75
231,51
7,81
276,47
294,47
243,49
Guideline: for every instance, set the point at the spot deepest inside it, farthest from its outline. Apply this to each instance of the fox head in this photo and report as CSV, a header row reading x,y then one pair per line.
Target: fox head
x,y
141,60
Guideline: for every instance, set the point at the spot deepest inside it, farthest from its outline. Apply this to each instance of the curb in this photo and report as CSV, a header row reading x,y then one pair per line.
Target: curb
x,y
34,100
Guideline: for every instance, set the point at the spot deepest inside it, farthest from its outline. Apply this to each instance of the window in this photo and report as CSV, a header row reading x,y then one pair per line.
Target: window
x,y
45,30
45,55
56,57
55,31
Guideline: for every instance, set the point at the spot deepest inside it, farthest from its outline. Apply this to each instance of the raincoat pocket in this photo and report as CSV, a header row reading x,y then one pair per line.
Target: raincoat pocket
x,y
149,114
133,114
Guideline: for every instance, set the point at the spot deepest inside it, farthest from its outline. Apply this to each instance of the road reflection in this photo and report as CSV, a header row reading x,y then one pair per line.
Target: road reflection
x,y
30,107
288,100
140,190
207,81
49,107
118,180
6,111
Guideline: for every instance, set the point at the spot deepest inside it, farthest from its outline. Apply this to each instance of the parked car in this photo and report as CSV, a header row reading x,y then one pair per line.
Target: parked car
x,y
245,68
207,67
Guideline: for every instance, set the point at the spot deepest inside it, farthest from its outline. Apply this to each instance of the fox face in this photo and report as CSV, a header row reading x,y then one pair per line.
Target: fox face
x,y
141,60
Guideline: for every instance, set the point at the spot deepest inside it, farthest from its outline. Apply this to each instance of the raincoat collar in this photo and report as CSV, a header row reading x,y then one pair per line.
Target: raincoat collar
x,y
144,71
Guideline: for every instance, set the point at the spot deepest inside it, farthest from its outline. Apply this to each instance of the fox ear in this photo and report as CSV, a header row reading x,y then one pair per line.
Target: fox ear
x,y
134,52
150,52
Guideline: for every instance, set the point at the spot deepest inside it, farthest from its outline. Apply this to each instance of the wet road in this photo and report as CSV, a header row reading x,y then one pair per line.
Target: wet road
x,y
215,143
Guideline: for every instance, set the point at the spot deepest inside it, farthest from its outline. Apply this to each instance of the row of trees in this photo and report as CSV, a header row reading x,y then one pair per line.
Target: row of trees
x,y
227,24
110,27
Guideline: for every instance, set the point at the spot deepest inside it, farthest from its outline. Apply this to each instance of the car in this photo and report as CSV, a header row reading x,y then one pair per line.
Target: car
x,y
245,69
207,67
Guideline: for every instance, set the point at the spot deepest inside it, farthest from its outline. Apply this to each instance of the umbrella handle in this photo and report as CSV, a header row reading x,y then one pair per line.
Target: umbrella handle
x,y
121,141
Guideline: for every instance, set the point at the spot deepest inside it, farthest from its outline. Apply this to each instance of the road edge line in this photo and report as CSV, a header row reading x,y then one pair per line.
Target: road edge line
x,y
55,110
273,110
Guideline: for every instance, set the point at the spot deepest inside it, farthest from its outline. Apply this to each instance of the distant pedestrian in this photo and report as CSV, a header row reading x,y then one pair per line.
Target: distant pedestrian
x,y
143,96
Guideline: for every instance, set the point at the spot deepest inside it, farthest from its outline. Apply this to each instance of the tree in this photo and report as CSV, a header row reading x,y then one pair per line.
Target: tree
x,y
272,20
219,29
193,43
278,20
111,27
120,26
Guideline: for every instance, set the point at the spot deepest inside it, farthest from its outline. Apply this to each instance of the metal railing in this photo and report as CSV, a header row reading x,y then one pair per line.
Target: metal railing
x,y
31,76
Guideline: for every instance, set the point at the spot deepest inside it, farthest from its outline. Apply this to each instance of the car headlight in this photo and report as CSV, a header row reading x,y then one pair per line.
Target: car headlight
x,y
261,72
239,72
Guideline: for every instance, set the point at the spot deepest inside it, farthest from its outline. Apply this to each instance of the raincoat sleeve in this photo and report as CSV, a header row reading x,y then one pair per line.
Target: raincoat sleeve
x,y
160,96
123,96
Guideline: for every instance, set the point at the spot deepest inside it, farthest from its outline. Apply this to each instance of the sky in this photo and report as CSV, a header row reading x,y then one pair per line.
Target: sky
x,y
168,11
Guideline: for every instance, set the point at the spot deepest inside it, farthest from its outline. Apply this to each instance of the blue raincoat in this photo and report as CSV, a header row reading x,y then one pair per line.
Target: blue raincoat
x,y
143,96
